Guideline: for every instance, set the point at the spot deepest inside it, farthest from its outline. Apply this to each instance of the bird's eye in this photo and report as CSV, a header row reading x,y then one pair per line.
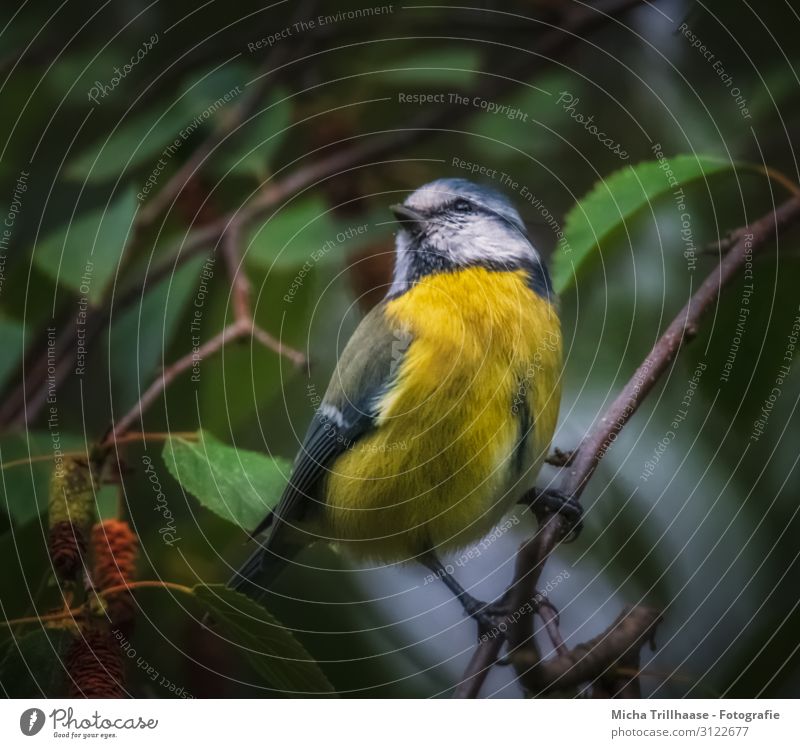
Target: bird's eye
x,y
462,206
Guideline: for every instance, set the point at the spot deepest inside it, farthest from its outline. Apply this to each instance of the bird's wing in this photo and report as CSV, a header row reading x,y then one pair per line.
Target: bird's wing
x,y
346,414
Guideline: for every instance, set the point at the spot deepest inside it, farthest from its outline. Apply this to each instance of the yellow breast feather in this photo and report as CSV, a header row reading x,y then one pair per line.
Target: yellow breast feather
x,y
450,454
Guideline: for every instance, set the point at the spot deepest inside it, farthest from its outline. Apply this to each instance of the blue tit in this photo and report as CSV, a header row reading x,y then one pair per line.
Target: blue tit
x,y
443,404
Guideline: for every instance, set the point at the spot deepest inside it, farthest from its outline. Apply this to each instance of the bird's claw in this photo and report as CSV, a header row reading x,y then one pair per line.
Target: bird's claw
x,y
488,616
552,501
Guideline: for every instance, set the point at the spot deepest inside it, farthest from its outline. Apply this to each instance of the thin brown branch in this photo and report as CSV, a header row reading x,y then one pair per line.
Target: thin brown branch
x,y
531,558
243,325
549,616
621,681
62,615
534,553
170,373
298,358
481,662
240,285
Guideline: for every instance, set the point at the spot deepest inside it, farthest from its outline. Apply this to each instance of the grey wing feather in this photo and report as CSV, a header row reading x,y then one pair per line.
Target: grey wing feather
x,y
346,414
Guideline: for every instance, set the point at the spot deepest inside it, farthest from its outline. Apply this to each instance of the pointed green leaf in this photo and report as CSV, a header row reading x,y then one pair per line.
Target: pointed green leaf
x,y
83,255
142,138
589,226
238,485
138,140
270,648
141,334
33,664
249,151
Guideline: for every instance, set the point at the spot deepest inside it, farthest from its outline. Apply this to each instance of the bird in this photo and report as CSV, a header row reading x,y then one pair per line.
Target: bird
x,y
443,403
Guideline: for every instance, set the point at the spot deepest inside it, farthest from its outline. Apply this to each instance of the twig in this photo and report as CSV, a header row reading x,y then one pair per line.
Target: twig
x,y
298,358
75,613
549,616
482,661
137,436
146,584
534,553
240,285
240,297
47,618
242,326
560,457
169,374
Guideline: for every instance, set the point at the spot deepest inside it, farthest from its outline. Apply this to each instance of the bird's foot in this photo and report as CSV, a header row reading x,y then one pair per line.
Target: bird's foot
x,y
550,501
489,617
492,617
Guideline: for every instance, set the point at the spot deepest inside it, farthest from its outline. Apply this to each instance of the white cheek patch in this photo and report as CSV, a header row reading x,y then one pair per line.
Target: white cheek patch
x,y
471,244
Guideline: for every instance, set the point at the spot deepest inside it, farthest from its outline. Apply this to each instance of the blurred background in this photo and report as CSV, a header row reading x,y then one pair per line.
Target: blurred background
x,y
132,132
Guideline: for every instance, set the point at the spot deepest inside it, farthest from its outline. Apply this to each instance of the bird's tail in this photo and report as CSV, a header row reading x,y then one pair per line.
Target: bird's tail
x,y
256,576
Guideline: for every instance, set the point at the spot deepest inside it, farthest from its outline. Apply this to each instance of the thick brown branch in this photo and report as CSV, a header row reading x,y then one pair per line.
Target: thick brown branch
x,y
535,552
482,661
593,659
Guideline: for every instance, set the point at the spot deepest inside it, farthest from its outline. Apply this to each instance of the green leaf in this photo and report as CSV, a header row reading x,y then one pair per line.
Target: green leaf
x,y
143,137
208,95
530,125
250,149
306,231
32,666
26,566
11,341
141,334
270,648
83,254
451,67
589,226
238,485
292,235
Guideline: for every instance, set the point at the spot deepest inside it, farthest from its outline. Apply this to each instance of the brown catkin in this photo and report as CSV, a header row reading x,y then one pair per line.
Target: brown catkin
x,y
71,513
114,551
67,546
95,665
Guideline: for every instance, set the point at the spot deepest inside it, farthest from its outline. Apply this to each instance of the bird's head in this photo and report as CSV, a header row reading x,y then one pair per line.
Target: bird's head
x,y
452,224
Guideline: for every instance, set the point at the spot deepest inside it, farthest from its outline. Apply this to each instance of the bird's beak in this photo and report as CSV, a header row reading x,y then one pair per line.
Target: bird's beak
x,y
410,219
